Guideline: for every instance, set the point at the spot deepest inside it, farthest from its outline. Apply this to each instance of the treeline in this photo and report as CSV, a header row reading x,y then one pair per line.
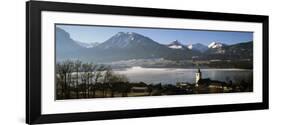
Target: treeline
x,y
232,64
75,79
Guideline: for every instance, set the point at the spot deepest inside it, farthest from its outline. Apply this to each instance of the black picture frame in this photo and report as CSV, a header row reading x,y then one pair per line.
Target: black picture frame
x,y
33,61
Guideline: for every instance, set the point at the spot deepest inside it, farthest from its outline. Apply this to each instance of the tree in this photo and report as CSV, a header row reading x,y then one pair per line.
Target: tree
x,y
64,69
86,76
115,82
77,67
75,79
59,81
106,78
70,65
93,71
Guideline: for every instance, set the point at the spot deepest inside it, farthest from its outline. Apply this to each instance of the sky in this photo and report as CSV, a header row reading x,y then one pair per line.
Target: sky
x,y
92,34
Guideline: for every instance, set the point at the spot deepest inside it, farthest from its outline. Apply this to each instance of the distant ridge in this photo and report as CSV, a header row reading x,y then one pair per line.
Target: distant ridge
x,y
131,45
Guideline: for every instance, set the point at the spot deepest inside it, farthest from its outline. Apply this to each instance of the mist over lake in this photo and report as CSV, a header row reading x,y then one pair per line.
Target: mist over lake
x,y
174,75
106,62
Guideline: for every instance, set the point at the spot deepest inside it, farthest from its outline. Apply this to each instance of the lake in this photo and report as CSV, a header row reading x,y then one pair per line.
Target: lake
x,y
174,75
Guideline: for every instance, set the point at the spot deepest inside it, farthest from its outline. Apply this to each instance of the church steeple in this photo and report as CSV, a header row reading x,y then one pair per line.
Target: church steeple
x,y
198,70
198,76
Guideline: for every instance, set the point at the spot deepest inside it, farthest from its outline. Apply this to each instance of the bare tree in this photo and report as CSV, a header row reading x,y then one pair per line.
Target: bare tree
x,y
98,76
106,77
77,67
93,71
59,81
64,70
75,79
115,83
70,66
86,74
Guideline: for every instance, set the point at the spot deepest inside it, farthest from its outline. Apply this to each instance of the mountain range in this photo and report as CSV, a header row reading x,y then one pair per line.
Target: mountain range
x,y
130,45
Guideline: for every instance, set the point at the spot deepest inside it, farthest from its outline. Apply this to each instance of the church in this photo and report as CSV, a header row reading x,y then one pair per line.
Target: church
x,y
207,85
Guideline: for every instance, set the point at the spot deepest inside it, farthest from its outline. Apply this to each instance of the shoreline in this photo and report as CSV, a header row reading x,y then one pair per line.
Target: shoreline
x,y
172,68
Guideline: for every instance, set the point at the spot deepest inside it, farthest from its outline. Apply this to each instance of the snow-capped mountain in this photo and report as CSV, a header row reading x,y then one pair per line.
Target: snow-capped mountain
x,y
198,46
127,40
215,45
176,45
87,45
239,50
128,46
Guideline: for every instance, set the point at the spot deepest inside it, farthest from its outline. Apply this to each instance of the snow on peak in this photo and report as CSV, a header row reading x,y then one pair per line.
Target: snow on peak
x,y
175,46
197,46
215,45
132,38
190,46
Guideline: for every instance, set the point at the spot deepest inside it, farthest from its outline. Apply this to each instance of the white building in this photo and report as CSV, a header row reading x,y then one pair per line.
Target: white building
x,y
198,76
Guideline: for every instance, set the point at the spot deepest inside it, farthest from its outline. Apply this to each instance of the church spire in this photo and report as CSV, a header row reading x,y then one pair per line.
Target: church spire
x,y
198,70
198,76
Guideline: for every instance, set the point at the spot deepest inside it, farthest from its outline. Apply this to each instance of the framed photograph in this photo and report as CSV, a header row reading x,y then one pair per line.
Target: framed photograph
x,y
95,62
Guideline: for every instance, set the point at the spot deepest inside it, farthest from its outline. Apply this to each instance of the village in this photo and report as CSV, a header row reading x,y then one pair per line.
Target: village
x,y
77,80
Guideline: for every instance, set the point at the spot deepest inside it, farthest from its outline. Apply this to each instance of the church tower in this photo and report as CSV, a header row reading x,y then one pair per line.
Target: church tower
x,y
198,76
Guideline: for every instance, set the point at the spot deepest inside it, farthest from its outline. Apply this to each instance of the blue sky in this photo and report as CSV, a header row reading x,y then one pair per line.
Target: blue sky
x,y
90,34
